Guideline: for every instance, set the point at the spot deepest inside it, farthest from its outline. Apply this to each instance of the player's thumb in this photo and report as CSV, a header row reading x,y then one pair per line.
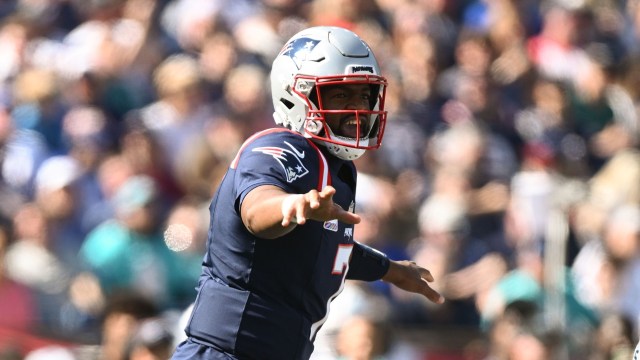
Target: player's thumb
x,y
347,216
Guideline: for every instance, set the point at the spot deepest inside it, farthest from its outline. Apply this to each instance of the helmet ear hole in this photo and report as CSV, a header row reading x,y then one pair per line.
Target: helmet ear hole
x,y
287,103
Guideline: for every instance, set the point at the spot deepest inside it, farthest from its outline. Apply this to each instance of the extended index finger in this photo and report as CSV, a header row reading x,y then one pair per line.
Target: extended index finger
x,y
347,216
425,274
427,290
431,294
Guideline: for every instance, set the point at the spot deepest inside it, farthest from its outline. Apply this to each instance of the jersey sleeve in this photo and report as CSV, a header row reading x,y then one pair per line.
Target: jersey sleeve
x,y
367,264
281,159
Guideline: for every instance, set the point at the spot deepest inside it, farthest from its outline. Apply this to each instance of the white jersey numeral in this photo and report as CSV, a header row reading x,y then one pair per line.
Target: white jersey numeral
x,y
340,266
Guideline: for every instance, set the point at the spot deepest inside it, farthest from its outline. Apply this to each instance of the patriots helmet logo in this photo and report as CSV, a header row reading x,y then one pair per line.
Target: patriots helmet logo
x,y
290,160
299,49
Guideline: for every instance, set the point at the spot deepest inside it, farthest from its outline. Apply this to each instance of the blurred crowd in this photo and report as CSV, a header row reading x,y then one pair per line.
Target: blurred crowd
x,y
510,168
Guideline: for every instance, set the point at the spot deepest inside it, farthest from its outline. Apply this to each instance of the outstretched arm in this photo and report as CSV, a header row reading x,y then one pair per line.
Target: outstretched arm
x,y
409,276
269,212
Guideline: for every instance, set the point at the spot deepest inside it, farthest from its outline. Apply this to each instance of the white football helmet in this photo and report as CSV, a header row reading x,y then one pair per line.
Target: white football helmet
x,y
321,56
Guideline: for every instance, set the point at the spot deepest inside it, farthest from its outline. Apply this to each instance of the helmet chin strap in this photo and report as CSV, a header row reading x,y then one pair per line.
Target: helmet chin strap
x,y
343,152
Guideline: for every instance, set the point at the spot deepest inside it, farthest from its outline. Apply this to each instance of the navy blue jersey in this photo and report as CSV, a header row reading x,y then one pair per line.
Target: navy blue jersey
x,y
266,298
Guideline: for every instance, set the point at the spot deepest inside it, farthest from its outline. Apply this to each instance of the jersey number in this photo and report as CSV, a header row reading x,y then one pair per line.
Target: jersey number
x,y
341,262
340,265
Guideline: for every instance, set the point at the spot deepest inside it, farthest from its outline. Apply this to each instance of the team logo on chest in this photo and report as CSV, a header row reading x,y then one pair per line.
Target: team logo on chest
x,y
290,160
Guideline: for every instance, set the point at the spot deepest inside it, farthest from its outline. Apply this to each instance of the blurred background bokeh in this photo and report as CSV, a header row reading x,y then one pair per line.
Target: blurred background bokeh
x,y
510,168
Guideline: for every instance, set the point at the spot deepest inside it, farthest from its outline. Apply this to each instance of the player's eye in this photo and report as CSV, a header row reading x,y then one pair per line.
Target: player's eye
x,y
339,95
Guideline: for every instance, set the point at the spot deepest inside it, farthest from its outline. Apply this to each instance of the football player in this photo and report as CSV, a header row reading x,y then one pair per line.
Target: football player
x,y
281,241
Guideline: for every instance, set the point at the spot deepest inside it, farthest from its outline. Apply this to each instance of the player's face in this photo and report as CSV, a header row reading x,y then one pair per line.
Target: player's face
x,y
347,97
